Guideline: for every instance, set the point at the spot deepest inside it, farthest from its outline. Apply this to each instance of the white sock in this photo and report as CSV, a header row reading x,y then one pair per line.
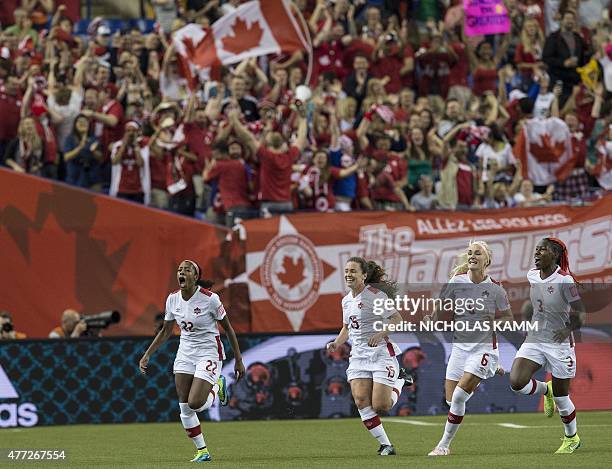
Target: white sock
x,y
455,416
191,424
396,391
371,420
209,401
567,412
533,387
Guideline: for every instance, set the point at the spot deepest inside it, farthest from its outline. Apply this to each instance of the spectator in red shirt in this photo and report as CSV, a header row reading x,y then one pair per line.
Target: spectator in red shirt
x,y
276,160
386,193
435,63
130,171
388,62
234,178
10,105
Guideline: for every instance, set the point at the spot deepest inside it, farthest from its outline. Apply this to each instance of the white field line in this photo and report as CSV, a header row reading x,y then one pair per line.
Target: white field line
x,y
504,425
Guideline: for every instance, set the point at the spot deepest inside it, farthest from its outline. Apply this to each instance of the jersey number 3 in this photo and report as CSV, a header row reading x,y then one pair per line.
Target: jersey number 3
x,y
187,326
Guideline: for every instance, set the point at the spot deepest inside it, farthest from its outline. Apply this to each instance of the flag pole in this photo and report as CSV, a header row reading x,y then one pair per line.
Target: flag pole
x,y
308,41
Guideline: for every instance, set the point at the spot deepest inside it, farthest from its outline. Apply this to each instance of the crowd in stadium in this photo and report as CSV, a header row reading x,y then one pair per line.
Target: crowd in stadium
x,y
406,112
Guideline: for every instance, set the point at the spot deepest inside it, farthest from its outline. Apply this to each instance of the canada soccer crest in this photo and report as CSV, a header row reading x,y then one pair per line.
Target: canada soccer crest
x,y
550,290
291,272
197,311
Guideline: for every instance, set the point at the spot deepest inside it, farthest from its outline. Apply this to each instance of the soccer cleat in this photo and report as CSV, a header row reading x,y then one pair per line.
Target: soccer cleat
x,y
439,451
549,401
403,374
223,394
386,450
202,455
569,445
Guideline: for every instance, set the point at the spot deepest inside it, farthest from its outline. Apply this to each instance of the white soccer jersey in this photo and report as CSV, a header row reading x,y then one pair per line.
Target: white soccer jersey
x,y
197,319
358,315
485,298
551,298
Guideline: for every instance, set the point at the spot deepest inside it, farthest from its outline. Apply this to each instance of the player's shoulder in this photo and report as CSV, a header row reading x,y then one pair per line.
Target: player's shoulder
x,y
372,292
565,277
346,298
460,278
533,275
173,295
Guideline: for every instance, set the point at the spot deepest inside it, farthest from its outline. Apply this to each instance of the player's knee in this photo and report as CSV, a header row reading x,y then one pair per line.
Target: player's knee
x,y
382,406
517,382
361,402
195,404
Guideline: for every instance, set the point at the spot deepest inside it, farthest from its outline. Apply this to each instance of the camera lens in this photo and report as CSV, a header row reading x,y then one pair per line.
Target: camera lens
x,y
7,327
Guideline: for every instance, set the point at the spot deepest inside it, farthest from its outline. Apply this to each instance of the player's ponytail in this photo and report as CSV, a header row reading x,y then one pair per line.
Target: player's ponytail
x,y
200,282
462,267
562,255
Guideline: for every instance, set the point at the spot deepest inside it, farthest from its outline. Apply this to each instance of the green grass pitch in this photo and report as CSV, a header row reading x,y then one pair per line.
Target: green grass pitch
x,y
518,441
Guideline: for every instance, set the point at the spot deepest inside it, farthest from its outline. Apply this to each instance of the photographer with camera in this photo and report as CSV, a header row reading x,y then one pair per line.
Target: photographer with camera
x,y
72,326
7,330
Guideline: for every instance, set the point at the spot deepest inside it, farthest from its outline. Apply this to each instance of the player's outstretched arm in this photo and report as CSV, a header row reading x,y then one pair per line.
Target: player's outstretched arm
x,y
231,335
162,336
342,338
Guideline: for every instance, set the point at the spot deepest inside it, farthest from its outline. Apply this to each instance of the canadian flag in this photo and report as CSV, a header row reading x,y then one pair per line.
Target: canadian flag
x,y
544,147
255,28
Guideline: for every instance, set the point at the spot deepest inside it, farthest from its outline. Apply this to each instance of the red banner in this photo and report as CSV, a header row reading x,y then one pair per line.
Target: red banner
x,y
294,264
63,247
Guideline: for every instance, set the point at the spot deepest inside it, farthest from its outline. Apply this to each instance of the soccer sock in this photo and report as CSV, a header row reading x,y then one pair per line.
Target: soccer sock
x,y
396,391
455,416
372,422
567,412
209,400
191,424
533,387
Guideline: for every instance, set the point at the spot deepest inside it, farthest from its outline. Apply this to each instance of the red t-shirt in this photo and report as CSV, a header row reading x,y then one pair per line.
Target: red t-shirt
x,y
233,183
158,168
389,66
177,168
465,188
328,57
130,174
485,79
408,79
110,134
520,56
323,198
10,107
275,173
199,141
384,187
460,69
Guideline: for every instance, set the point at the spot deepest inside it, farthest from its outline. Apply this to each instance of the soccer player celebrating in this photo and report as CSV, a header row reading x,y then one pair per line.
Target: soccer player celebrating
x,y
558,310
373,372
197,367
474,355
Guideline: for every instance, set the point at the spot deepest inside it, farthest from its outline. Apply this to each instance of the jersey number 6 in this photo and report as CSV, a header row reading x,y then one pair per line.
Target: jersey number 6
x,y
485,359
187,326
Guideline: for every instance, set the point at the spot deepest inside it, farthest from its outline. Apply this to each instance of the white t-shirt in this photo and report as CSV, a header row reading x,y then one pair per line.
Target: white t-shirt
x,y
358,315
486,153
541,108
485,298
197,318
551,298
69,114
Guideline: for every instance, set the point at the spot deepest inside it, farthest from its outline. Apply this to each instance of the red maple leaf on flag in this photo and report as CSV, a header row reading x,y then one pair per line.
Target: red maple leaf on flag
x,y
547,152
293,271
244,37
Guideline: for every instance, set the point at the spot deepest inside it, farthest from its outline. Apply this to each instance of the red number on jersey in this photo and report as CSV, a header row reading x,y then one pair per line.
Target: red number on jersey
x,y
354,323
211,366
485,359
390,372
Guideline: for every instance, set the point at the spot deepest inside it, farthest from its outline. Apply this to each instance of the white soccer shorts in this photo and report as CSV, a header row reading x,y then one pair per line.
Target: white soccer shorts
x,y
206,368
383,371
481,362
559,359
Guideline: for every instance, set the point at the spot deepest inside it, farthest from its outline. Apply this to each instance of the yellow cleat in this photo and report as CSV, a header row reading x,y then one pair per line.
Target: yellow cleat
x,y
202,455
549,401
569,445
